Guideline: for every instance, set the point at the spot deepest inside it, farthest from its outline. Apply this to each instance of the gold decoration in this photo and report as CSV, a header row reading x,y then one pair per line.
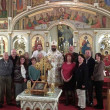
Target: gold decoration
x,y
43,66
39,88
28,87
52,87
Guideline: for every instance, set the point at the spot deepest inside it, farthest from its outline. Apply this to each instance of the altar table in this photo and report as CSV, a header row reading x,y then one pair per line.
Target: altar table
x,y
35,102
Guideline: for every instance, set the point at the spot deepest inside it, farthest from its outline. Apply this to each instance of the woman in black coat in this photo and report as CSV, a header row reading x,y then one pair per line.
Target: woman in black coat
x,y
81,77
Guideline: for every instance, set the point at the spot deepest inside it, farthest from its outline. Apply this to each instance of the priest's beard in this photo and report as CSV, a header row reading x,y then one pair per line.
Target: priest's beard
x,y
53,49
39,50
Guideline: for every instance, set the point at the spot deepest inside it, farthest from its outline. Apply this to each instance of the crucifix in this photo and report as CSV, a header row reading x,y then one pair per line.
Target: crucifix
x,y
43,66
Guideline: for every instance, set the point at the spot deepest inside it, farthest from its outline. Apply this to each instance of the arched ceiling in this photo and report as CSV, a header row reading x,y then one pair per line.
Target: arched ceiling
x,y
51,6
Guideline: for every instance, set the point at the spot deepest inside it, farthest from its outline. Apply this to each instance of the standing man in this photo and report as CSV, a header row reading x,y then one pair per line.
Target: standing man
x,y
90,63
74,54
39,53
56,59
13,57
6,66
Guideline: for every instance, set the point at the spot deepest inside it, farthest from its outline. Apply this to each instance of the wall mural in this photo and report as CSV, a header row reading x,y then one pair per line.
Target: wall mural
x,y
19,6
3,24
86,43
80,18
105,44
37,39
3,8
105,50
19,44
102,3
37,2
65,37
59,0
3,45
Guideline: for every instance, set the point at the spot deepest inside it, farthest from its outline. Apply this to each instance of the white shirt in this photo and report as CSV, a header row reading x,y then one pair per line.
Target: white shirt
x,y
36,53
23,71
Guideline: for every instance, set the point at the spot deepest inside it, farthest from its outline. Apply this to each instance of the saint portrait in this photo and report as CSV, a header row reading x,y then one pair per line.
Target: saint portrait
x,y
37,39
39,86
3,45
85,43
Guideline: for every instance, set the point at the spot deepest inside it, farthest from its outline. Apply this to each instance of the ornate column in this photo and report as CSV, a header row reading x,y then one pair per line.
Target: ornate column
x,y
29,43
9,43
9,14
76,41
47,41
29,4
9,8
94,41
9,23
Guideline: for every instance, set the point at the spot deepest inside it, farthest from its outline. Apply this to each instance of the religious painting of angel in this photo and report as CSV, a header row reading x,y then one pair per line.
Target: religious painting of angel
x,y
86,43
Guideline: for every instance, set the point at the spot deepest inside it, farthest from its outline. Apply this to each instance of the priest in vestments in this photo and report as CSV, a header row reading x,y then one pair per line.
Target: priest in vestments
x,y
56,59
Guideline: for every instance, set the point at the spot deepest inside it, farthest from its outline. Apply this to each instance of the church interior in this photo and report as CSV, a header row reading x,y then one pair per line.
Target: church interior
x,y
84,24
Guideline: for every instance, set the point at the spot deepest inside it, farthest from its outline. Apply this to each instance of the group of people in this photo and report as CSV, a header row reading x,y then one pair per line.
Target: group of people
x,y
81,76
76,72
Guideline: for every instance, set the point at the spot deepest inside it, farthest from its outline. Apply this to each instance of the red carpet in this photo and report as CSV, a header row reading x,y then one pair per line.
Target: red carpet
x,y
61,107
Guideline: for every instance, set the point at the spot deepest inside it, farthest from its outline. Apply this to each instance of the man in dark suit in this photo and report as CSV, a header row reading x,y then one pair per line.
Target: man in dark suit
x,y
14,58
74,54
6,67
90,63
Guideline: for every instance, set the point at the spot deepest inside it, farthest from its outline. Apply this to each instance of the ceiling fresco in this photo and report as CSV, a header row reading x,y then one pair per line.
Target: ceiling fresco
x,y
80,18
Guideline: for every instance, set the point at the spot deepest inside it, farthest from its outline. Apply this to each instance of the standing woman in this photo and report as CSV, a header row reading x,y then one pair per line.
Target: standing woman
x,y
98,77
67,76
20,77
34,74
81,77
28,61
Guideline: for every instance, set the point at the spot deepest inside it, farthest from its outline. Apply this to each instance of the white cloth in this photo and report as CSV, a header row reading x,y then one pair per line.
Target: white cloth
x,y
23,71
81,98
56,59
37,53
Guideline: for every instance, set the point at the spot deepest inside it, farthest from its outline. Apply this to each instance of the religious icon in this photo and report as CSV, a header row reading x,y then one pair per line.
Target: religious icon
x,y
3,11
85,43
39,88
37,39
19,44
2,46
19,4
47,44
65,37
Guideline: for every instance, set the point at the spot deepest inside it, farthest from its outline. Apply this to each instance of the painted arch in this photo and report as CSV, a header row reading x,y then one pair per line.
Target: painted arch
x,y
77,14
